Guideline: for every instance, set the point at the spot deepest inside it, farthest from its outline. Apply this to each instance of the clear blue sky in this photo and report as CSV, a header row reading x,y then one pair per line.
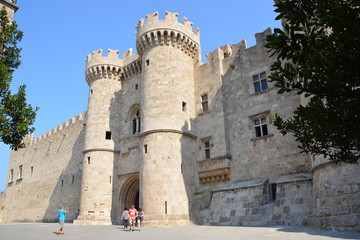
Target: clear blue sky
x,y
59,34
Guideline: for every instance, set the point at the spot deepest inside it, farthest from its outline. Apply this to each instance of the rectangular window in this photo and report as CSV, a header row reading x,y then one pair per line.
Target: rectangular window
x,y
88,160
204,103
272,191
260,127
11,178
147,62
73,179
20,171
184,106
207,149
108,135
31,171
145,148
260,82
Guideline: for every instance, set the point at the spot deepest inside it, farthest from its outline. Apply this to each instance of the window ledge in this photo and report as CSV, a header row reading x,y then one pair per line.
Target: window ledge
x,y
263,91
262,137
204,113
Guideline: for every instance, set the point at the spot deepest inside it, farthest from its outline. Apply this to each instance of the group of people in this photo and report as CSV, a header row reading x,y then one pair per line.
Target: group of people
x,y
132,217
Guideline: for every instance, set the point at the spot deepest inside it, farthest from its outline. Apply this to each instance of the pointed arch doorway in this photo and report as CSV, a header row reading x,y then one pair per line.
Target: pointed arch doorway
x,y
129,194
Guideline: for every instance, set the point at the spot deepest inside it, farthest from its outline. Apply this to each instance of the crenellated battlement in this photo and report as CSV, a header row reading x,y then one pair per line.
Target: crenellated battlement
x,y
110,66
97,58
29,139
169,32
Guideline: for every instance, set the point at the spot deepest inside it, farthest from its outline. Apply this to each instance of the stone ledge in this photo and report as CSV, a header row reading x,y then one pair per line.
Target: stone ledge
x,y
215,175
294,178
239,185
214,170
167,131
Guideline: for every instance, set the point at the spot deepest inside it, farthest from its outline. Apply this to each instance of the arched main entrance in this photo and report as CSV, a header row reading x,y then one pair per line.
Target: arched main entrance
x,y
129,193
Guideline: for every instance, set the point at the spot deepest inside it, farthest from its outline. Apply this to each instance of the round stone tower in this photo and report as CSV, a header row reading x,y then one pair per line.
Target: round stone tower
x,y
102,75
168,50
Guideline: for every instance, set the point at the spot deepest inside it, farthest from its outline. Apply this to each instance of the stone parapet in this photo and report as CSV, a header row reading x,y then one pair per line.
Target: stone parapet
x,y
168,32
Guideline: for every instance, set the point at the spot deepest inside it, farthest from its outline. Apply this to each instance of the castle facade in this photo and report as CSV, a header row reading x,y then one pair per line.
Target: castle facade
x,y
187,141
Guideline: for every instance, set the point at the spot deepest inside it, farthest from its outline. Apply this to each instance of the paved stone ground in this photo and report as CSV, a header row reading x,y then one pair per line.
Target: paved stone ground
x,y
45,231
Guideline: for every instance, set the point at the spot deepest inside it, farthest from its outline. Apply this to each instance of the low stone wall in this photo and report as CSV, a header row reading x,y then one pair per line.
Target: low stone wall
x,y
285,202
336,204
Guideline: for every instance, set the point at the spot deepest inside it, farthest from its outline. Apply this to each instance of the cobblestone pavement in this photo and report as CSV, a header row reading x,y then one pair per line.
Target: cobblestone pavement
x,y
45,231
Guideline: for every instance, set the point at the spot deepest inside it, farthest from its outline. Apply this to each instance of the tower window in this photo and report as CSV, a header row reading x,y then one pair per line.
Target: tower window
x,y
204,103
207,149
88,159
260,127
135,123
145,148
108,135
184,106
260,82
62,183
11,177
73,179
31,171
136,86
147,62
20,171
91,92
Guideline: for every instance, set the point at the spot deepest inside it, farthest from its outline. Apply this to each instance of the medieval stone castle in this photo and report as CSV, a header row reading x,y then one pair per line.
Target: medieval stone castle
x,y
189,142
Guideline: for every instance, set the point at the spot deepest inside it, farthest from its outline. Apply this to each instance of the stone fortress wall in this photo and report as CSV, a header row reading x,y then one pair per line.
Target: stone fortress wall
x,y
178,138
46,175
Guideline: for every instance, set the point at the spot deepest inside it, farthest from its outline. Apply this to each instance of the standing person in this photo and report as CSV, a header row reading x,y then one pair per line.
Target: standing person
x,y
77,213
133,213
140,218
125,218
61,218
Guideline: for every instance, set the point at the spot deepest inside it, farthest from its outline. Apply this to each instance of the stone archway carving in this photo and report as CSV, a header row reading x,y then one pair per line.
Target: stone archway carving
x,y
129,193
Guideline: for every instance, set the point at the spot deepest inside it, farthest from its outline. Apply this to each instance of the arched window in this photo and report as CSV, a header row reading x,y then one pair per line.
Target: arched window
x,y
135,122
133,119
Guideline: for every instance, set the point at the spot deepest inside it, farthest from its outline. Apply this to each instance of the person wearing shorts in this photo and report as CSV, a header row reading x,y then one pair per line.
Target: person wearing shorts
x,y
133,213
61,218
140,218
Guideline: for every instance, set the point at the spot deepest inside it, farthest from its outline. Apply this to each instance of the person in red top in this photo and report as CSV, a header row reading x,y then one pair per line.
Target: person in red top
x,y
133,213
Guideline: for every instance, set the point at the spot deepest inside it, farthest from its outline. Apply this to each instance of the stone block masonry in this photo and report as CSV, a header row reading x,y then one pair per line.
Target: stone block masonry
x,y
336,204
187,141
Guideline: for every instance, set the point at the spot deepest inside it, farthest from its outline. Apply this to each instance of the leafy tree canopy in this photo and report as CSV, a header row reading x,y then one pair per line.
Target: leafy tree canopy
x,y
318,56
16,116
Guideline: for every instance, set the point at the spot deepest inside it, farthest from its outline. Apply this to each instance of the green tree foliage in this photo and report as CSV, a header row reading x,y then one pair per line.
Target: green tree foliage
x,y
318,56
16,116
